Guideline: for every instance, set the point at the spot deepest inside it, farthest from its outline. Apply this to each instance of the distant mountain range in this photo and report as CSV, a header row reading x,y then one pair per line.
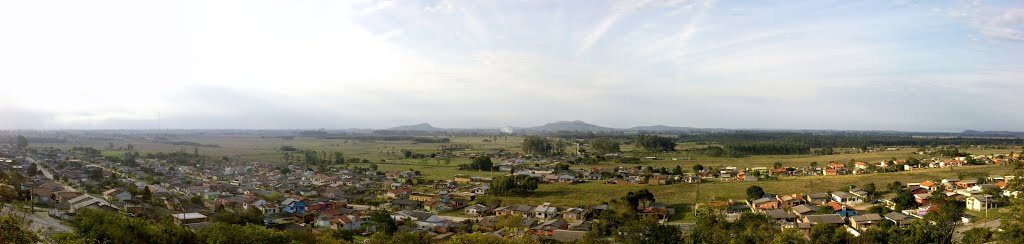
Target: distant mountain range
x,y
417,127
574,125
580,126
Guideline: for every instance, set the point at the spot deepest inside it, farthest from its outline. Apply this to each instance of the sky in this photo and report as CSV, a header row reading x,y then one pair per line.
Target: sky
x,y
251,64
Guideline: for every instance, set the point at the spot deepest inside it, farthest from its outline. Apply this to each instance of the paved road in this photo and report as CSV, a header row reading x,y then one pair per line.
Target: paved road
x,y
49,175
41,222
959,232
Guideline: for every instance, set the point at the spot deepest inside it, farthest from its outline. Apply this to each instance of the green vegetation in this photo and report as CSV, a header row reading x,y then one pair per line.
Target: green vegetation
x,y
14,228
516,184
655,143
604,145
21,141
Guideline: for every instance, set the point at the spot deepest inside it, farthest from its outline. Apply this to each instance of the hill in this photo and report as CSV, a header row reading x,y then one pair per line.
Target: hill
x,y
575,125
416,127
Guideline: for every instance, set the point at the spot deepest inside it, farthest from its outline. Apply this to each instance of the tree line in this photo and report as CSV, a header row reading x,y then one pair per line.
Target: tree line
x,y
844,140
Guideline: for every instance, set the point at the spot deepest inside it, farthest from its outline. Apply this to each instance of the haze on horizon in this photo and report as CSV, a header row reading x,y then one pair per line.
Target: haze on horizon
x,y
861,65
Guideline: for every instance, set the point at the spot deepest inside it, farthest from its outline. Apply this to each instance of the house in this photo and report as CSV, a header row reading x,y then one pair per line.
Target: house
x,y
965,184
928,185
348,222
921,198
658,210
432,223
781,216
422,197
548,227
574,215
526,211
64,196
899,219
658,180
860,165
400,193
269,208
846,198
406,204
863,222
818,198
463,179
829,172
806,222
765,203
91,202
545,211
478,210
980,202
481,190
790,200
567,236
567,179
132,206
803,209
188,218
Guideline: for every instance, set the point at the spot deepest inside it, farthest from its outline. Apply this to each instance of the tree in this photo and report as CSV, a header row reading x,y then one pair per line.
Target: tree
x,y
22,142
946,218
147,195
14,228
1013,221
904,200
754,192
642,196
482,163
341,234
814,165
645,230
227,233
604,145
515,184
97,226
870,189
790,236
777,165
678,170
419,237
538,145
32,169
977,236
894,186
829,233
655,143
473,238
383,221
339,157
698,168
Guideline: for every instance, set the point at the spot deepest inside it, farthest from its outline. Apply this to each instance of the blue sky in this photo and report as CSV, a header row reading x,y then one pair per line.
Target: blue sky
x,y
866,65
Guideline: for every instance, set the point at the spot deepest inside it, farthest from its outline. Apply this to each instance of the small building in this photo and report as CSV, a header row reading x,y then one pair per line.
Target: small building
x,y
188,218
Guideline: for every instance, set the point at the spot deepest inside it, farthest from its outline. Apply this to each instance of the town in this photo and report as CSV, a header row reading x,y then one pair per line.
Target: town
x,y
360,199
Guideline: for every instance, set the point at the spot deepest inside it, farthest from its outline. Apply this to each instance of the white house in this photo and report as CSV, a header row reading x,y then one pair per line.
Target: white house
x,y
980,202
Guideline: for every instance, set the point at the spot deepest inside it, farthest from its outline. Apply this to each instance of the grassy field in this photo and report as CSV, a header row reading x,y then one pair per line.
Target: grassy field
x,y
684,194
